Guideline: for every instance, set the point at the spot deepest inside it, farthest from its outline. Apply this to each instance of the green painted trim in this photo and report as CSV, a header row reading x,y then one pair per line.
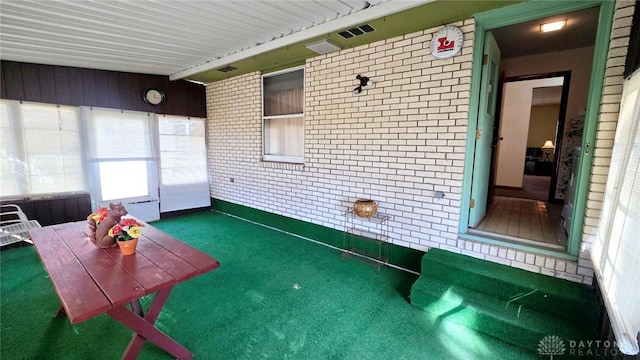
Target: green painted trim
x,y
398,255
594,99
527,11
511,245
524,12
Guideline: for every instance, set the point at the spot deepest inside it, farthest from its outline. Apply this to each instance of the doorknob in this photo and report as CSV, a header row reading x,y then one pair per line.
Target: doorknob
x,y
498,139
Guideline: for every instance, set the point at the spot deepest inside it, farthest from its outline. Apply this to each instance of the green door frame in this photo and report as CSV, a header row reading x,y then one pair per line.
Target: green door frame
x,y
516,14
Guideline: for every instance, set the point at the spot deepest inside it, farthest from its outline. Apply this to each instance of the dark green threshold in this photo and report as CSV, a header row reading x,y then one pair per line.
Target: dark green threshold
x,y
398,255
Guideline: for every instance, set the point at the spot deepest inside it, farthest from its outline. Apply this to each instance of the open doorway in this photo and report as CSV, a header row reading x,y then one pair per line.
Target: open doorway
x,y
545,119
530,128
529,219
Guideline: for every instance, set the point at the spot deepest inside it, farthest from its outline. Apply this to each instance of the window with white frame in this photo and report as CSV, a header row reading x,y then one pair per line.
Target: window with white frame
x,y
283,116
41,149
616,249
114,154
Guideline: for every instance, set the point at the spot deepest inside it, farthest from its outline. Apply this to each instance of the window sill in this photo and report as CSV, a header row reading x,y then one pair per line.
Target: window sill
x,y
281,165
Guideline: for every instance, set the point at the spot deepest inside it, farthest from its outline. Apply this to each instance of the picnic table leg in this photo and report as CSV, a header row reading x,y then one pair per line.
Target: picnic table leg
x,y
137,341
144,329
61,312
136,307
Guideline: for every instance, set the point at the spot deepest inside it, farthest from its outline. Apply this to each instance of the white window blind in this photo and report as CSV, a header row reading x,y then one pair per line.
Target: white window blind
x,y
41,149
183,152
121,149
184,180
283,116
616,250
119,134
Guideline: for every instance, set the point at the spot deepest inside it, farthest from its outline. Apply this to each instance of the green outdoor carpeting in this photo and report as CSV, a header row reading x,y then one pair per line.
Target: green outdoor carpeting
x,y
275,296
514,305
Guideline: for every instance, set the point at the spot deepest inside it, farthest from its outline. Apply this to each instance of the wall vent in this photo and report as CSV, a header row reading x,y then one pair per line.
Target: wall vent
x,y
227,69
362,29
323,47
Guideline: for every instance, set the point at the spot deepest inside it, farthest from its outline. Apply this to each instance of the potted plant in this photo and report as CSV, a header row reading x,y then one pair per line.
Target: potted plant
x,y
126,233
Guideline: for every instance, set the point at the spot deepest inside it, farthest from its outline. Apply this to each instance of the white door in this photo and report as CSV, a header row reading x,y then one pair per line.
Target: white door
x,y
184,182
137,192
124,168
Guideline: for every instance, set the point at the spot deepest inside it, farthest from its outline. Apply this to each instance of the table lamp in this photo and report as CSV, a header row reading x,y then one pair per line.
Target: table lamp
x,y
548,145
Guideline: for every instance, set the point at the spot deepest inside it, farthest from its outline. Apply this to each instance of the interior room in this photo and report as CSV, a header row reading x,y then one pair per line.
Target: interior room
x,y
529,192
531,176
425,179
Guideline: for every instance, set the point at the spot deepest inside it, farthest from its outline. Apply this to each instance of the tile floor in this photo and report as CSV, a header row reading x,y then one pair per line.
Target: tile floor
x,y
525,220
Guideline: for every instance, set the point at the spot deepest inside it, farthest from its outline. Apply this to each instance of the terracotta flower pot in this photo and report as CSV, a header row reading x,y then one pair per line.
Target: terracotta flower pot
x,y
128,247
365,208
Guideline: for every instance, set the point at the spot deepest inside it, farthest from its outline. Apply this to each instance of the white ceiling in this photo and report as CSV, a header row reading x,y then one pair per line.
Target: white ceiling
x,y
181,38
166,37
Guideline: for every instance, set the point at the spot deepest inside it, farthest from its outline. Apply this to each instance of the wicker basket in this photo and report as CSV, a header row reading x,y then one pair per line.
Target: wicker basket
x,y
365,208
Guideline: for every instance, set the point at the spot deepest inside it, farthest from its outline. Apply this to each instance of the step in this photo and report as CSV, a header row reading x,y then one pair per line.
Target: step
x,y
558,297
516,325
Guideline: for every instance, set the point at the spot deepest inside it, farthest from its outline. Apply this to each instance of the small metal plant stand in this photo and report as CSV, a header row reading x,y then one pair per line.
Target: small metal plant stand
x,y
366,239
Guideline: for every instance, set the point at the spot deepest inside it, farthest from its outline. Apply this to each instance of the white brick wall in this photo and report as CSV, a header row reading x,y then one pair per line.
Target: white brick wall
x,y
398,143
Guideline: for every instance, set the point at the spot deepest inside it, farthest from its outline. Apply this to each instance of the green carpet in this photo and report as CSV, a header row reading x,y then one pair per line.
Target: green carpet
x,y
514,305
275,296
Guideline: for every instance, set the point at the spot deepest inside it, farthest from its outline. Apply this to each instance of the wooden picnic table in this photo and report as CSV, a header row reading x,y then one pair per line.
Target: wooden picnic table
x,y
91,281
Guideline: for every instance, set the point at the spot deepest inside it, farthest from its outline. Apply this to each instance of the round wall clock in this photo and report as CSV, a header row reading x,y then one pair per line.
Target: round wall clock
x,y
447,42
154,97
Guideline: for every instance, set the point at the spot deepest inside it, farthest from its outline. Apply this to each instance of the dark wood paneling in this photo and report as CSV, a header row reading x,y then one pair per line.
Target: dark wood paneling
x,y
12,75
100,88
57,209
76,91
61,79
3,85
42,212
123,89
113,91
135,86
47,84
31,82
101,91
88,88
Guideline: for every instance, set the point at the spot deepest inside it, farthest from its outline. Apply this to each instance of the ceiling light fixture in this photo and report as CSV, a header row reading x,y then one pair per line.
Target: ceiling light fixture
x,y
364,81
553,26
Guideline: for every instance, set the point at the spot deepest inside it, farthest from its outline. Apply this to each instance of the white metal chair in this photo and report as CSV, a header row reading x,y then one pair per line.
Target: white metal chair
x,y
14,225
